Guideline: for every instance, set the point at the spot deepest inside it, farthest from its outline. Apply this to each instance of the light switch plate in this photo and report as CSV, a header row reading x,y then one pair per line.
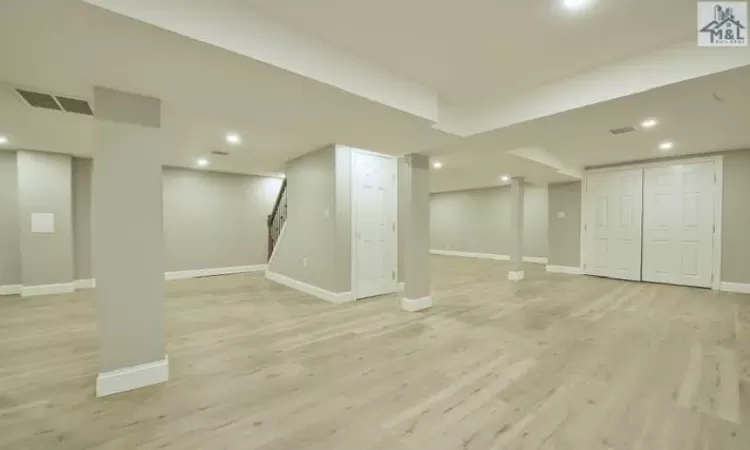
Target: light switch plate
x,y
561,214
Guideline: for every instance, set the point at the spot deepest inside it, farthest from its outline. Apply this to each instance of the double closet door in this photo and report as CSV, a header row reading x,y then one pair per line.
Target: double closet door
x,y
653,224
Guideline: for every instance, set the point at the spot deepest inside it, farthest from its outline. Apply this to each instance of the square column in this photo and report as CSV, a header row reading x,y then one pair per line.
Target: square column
x,y
516,229
128,241
414,193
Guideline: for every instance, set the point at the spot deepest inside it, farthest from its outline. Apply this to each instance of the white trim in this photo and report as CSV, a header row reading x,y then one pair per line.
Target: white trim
x,y
10,289
85,284
718,220
718,161
185,274
332,297
570,270
134,377
528,259
471,255
535,259
353,215
46,289
278,240
516,276
416,304
742,288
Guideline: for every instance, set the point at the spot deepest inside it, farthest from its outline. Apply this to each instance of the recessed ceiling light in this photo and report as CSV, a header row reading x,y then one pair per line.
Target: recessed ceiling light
x,y
576,4
668,145
504,178
202,162
233,138
649,123
437,165
3,140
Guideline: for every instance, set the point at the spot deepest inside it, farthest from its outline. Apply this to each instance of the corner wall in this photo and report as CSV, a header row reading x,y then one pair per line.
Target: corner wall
x,y
212,220
478,221
10,238
314,247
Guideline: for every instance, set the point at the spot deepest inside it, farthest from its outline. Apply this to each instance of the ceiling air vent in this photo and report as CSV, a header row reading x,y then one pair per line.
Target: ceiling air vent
x,y
219,153
75,105
58,103
622,130
39,100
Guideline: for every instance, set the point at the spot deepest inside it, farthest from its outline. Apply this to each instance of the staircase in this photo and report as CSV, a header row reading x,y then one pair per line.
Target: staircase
x,y
276,219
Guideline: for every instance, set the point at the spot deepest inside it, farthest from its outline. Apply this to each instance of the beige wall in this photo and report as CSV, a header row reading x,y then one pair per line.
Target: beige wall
x,y
10,245
310,249
45,186
565,232
211,219
82,218
735,253
478,221
216,219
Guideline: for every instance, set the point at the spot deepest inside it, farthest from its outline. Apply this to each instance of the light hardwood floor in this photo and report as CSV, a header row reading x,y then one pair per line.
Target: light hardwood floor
x,y
554,362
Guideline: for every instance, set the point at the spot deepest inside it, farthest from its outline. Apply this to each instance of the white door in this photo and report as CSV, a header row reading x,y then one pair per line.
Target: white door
x,y
678,224
375,243
613,225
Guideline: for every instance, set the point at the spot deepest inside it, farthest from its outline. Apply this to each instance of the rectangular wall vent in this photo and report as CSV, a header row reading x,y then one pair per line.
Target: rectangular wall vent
x,y
622,130
39,100
58,103
219,153
74,105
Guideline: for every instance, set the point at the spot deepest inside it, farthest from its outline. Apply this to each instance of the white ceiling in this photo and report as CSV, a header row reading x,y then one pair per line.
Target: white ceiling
x,y
479,51
66,47
471,53
689,114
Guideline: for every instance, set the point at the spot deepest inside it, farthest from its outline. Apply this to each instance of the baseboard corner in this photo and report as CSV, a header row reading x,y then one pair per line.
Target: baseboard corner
x,y
416,304
10,289
517,275
130,378
315,291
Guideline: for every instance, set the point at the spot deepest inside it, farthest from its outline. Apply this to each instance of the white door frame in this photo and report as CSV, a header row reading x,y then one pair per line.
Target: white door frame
x,y
353,236
718,161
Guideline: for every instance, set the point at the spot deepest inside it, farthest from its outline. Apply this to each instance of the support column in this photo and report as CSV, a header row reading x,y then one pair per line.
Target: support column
x,y
128,243
516,229
414,192
46,233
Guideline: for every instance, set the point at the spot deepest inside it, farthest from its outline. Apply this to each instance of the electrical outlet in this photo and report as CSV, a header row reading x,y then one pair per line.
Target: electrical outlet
x,y
327,212
561,214
304,262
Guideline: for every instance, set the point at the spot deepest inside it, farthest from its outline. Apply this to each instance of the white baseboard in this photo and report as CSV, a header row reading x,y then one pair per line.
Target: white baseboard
x,y
130,378
315,291
185,274
46,289
570,270
416,304
529,259
470,255
742,288
535,259
10,289
85,284
516,276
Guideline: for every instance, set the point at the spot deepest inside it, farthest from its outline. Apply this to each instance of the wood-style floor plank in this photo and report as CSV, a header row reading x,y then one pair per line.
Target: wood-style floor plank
x,y
553,362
